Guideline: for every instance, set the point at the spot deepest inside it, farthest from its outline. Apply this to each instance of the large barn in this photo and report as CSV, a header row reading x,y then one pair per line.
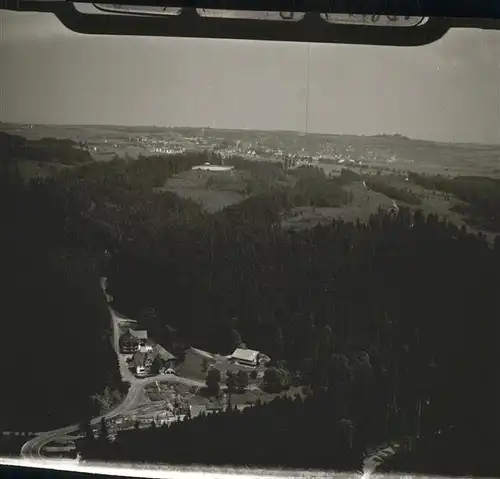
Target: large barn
x,y
246,357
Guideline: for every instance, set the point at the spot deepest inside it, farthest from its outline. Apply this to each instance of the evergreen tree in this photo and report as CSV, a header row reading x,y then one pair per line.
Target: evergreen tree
x,y
213,381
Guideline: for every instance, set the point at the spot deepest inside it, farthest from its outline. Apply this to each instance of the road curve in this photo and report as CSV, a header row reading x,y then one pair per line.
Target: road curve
x,y
32,449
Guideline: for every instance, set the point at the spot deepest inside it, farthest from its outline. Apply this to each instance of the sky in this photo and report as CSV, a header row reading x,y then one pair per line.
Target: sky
x,y
446,91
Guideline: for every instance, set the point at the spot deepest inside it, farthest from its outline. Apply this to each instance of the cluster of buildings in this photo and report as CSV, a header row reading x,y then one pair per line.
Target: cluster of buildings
x,y
164,146
197,362
148,358
331,152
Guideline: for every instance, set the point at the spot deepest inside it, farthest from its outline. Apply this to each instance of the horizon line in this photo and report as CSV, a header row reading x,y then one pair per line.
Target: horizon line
x,y
296,132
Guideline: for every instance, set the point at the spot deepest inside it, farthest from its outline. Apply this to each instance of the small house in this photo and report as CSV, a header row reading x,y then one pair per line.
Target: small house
x,y
160,358
139,364
165,357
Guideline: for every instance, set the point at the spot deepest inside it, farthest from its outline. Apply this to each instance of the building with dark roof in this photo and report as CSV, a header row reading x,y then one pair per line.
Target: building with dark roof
x,y
143,361
131,340
162,353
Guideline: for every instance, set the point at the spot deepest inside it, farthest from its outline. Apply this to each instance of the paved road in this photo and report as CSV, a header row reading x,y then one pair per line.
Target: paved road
x,y
32,449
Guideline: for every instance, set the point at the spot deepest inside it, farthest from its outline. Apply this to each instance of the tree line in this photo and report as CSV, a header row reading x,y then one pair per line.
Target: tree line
x,y
404,195
307,433
45,150
481,197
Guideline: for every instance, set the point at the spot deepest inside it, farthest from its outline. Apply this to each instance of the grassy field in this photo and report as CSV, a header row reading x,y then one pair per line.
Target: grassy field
x,y
217,190
365,202
31,169
195,366
213,190
433,202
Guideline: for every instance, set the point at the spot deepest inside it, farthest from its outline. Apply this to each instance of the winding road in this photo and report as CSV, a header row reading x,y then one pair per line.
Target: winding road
x,y
33,448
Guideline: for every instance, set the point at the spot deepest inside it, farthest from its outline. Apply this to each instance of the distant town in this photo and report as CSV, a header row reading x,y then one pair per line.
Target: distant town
x,y
174,142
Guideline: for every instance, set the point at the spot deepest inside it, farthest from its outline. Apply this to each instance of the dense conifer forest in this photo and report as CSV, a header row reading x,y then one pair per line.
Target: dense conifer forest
x,y
391,324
